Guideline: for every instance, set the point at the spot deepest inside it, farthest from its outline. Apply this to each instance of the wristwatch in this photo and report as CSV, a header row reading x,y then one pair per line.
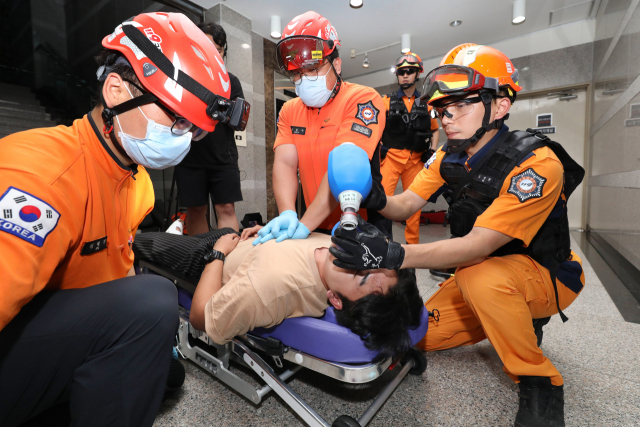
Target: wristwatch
x,y
213,255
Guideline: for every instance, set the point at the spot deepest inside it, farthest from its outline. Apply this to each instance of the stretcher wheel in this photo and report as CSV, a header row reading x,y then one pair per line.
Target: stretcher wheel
x,y
419,359
345,421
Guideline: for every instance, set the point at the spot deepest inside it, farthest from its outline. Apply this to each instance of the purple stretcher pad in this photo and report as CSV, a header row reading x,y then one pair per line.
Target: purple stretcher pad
x,y
321,337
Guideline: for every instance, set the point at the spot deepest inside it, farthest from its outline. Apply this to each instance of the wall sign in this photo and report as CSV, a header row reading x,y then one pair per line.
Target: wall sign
x,y
241,138
544,120
634,111
548,129
632,122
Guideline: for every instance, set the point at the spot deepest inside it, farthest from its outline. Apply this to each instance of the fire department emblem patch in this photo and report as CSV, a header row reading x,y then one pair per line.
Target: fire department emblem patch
x,y
367,113
527,185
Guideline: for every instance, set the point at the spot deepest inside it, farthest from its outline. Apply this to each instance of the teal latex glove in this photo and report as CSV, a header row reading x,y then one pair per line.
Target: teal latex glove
x,y
283,226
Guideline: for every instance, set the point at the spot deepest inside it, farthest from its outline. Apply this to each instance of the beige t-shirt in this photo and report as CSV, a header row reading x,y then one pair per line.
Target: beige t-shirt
x,y
265,284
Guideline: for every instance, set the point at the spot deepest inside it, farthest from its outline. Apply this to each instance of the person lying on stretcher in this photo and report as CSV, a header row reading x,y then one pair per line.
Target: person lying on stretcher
x,y
260,286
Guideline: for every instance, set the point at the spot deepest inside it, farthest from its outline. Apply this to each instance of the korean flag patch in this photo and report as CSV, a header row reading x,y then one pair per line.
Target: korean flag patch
x,y
26,216
431,160
527,185
367,113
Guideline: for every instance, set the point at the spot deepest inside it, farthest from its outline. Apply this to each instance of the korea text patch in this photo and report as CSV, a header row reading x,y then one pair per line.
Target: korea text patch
x,y
26,216
430,161
367,113
527,185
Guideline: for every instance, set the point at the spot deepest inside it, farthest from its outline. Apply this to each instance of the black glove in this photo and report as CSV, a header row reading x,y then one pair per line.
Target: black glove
x,y
377,199
383,153
365,248
427,155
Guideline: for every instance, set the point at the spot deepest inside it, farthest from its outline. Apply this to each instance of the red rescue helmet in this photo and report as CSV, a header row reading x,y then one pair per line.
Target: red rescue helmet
x,y
306,41
175,61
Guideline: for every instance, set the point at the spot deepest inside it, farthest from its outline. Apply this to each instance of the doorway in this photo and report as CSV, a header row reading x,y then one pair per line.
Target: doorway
x,y
562,116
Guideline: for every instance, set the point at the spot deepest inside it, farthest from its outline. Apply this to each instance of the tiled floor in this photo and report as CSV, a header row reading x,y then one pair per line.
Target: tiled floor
x,y
596,351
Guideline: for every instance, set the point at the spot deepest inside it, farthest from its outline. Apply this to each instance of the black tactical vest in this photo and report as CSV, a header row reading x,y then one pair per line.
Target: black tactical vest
x,y
472,192
407,130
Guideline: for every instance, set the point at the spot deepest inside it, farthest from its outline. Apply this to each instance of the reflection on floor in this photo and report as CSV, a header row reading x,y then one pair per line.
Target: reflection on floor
x,y
628,244
596,351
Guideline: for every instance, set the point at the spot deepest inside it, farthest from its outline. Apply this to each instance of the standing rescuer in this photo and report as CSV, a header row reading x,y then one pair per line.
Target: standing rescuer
x,y
73,328
410,136
508,217
327,113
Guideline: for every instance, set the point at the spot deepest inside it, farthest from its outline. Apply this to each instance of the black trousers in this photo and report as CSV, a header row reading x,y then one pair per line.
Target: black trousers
x,y
104,349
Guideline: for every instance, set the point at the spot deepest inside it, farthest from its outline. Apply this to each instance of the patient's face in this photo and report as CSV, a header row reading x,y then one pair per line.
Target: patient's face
x,y
353,284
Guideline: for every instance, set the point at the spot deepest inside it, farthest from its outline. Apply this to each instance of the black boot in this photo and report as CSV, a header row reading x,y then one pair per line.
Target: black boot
x,y
541,404
537,326
176,375
444,272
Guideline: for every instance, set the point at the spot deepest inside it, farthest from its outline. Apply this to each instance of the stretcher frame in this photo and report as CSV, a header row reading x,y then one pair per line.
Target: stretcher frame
x,y
243,350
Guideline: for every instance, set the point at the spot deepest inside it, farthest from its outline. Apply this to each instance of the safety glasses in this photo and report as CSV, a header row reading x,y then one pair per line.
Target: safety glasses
x,y
406,71
448,80
180,125
299,53
455,109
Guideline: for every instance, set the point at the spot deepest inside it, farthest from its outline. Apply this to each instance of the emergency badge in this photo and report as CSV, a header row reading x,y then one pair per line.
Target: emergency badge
x,y
367,113
527,185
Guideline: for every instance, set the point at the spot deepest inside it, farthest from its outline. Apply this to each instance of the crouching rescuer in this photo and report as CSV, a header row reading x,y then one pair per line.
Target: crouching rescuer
x,y
74,330
508,215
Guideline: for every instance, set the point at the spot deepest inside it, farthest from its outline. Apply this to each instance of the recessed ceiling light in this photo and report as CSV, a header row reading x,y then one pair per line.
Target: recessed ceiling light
x,y
245,45
393,69
365,63
356,4
455,23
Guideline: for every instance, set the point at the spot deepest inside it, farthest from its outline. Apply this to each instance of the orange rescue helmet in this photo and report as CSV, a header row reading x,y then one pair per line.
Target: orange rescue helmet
x,y
496,71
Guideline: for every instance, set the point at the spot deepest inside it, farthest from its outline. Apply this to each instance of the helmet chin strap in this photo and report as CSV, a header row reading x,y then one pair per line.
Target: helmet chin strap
x,y
458,145
336,87
404,86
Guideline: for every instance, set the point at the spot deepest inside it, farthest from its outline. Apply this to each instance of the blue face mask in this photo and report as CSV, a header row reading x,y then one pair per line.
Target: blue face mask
x,y
314,93
159,149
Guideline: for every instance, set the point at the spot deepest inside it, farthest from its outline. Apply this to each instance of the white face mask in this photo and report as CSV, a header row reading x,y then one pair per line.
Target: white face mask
x,y
159,149
314,93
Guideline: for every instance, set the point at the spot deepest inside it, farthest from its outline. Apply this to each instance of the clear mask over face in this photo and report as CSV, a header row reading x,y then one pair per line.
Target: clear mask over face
x,y
159,149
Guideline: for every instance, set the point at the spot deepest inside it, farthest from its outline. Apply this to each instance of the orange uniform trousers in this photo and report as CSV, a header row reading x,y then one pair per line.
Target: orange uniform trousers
x,y
497,299
391,171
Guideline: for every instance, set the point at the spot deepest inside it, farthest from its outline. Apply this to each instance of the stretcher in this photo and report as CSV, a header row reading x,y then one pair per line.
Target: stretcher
x,y
276,354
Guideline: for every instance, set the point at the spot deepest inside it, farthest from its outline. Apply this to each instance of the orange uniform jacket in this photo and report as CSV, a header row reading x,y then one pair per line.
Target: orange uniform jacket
x,y
406,155
68,212
518,212
355,115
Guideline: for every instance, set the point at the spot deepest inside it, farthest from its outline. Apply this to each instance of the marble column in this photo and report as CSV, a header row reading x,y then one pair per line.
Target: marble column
x,y
246,63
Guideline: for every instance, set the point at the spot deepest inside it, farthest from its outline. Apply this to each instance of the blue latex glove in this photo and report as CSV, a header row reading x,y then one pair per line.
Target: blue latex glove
x,y
283,226
302,232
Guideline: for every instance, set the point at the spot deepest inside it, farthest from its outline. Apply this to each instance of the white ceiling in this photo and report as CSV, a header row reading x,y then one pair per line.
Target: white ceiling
x,y
381,22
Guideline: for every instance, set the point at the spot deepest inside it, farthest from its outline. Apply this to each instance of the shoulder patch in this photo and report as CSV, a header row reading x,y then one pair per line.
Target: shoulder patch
x,y
362,129
527,185
431,160
368,113
27,216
